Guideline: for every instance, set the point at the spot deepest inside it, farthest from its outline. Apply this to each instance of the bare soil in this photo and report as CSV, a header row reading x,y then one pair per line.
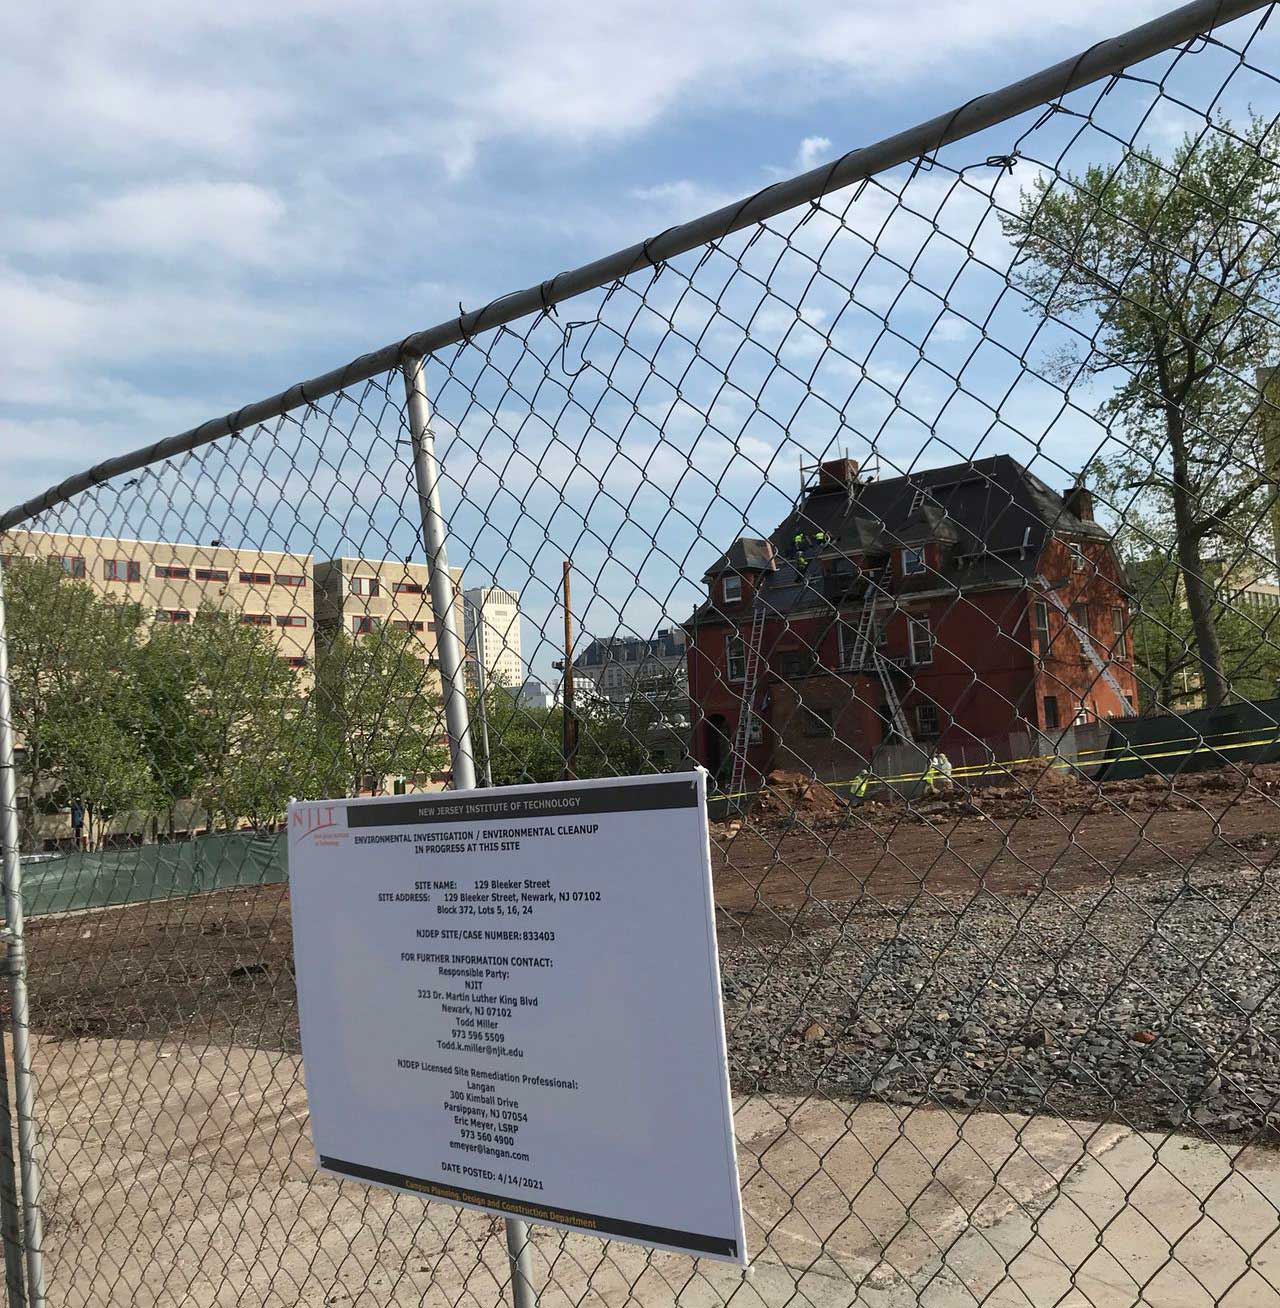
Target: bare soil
x,y
218,967
1044,831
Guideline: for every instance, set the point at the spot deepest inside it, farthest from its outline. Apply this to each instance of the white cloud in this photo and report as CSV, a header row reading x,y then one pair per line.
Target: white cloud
x,y
51,320
245,81
813,151
188,219
198,193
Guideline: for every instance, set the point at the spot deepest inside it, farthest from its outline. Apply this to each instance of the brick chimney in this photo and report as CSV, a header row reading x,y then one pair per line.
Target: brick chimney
x,y
1079,501
838,474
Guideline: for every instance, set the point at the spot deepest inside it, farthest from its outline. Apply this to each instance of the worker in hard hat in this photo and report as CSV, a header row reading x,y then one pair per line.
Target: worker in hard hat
x,y
800,544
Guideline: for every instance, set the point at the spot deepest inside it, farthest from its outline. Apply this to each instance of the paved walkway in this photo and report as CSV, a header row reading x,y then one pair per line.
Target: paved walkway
x,y
179,1175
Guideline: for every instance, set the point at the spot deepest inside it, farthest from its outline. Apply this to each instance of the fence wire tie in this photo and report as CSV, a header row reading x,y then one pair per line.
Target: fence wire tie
x,y
655,264
569,329
548,306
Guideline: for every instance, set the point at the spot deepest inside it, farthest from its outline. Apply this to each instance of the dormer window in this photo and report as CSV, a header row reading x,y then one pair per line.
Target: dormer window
x,y
913,563
731,589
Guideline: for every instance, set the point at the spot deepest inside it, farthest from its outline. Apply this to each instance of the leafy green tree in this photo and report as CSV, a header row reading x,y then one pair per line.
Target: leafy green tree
x,y
526,743
376,712
614,739
97,756
168,674
1169,267
72,662
1164,647
241,699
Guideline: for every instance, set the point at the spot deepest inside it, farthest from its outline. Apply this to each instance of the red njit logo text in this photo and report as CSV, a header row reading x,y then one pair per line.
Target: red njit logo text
x,y
317,821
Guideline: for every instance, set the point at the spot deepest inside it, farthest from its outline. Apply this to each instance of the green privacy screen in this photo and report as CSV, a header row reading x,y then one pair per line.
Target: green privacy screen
x,y
131,876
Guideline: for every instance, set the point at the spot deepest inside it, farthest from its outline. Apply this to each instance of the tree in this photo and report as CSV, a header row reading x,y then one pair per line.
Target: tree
x,y
72,665
526,743
614,740
376,712
241,699
168,675
1168,267
97,756
1164,649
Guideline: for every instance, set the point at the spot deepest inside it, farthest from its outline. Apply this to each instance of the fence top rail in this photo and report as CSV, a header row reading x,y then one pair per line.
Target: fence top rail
x,y
1099,61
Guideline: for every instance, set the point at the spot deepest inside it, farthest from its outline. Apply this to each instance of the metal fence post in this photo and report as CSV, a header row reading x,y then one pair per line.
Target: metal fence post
x,y
23,1082
452,657
10,1209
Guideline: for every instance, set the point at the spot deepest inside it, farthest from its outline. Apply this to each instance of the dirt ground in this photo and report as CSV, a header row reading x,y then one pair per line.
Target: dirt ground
x,y
859,1022
218,967
1043,832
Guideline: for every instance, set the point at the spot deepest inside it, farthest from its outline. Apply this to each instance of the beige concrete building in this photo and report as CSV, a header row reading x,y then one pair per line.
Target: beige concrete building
x,y
173,582
359,596
493,636
1259,597
291,595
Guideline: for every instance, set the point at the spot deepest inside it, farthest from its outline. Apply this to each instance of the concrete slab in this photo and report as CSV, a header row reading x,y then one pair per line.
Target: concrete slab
x,y
185,1175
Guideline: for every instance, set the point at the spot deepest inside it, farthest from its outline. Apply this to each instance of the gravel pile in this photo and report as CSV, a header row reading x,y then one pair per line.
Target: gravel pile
x,y
1150,1002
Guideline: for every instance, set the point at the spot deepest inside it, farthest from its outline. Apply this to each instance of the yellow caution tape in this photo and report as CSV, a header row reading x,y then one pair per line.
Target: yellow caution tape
x,y
1113,754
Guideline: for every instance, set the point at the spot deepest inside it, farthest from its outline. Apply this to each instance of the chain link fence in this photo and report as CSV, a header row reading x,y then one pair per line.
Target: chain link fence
x,y
929,502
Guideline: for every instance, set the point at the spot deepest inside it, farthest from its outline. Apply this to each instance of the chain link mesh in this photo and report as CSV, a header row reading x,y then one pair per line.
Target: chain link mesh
x,y
937,519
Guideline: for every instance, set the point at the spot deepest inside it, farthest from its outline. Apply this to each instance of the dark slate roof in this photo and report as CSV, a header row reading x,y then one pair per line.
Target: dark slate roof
x,y
746,554
669,643
993,517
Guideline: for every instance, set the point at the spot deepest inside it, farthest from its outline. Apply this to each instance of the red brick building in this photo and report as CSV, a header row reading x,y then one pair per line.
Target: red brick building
x,y
969,607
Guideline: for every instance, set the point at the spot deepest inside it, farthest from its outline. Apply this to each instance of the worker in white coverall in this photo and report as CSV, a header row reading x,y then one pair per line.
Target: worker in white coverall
x,y
937,777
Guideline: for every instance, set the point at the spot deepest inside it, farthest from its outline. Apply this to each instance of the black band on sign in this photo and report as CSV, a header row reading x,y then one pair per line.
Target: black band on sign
x,y
711,1244
431,810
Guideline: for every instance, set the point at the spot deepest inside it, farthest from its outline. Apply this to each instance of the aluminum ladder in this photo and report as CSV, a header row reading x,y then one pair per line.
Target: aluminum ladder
x,y
1086,644
742,736
864,646
865,650
896,713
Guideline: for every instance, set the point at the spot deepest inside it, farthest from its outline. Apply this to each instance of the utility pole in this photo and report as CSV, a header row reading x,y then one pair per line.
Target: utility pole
x,y
570,740
482,684
1268,384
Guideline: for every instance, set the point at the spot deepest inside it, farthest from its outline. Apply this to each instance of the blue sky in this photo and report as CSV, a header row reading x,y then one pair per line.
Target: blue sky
x,y
207,203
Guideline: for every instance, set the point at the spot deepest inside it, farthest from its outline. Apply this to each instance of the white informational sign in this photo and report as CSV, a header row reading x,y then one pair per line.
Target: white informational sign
x,y
510,1001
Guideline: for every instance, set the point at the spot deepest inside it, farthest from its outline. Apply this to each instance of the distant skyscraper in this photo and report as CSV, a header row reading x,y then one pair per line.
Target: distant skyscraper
x,y
493,636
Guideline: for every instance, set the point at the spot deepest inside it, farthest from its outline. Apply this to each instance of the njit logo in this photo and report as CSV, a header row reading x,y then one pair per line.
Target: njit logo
x,y
314,819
